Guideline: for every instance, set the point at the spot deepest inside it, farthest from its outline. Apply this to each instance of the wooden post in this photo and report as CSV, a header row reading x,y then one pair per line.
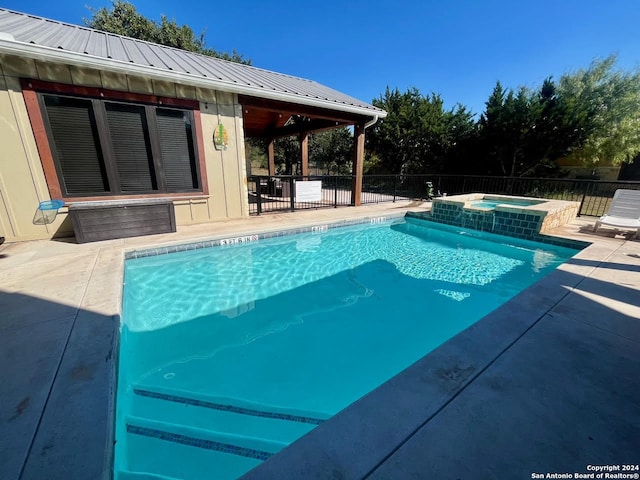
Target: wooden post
x,y
304,152
272,157
358,160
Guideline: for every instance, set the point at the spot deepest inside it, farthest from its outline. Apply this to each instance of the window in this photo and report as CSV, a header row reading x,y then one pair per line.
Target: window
x,y
103,147
176,146
131,147
77,146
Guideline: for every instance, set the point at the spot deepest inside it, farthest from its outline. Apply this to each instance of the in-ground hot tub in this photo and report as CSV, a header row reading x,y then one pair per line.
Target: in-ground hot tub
x,y
520,217
492,202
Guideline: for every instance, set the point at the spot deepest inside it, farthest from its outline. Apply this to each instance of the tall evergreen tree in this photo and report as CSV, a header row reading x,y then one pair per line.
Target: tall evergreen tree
x,y
418,135
491,130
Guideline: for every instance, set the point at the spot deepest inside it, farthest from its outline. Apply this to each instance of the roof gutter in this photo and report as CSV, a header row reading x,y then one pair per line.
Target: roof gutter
x,y
39,52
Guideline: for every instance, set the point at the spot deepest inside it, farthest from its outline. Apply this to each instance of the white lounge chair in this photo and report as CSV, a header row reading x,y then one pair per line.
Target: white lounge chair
x,y
624,212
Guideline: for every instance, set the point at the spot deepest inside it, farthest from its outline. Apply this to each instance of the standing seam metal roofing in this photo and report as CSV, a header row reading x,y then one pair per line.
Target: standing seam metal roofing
x,y
29,29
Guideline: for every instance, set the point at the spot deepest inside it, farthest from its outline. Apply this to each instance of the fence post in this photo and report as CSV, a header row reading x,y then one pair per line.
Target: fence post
x,y
335,192
395,181
292,196
258,196
584,196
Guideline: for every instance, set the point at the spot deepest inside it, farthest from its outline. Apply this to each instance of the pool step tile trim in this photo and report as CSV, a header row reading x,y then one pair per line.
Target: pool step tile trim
x,y
198,442
228,408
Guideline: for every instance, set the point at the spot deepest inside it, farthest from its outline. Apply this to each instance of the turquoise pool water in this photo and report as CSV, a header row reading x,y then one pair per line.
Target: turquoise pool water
x,y
506,201
228,354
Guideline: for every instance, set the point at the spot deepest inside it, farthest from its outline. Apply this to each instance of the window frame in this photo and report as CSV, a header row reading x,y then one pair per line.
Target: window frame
x,y
33,92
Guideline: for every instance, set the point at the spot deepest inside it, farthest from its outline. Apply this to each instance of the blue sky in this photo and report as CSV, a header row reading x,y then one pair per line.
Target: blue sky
x,y
455,48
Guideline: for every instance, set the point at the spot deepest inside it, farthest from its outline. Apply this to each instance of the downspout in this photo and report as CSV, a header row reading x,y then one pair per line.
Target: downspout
x,y
371,122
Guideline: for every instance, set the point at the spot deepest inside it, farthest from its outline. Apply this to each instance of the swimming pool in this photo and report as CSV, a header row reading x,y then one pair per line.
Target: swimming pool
x,y
229,354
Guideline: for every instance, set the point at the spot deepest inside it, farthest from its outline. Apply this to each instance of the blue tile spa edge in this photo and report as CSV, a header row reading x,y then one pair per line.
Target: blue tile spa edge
x,y
511,233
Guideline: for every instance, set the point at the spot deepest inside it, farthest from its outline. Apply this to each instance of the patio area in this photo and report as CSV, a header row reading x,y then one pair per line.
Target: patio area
x,y
547,383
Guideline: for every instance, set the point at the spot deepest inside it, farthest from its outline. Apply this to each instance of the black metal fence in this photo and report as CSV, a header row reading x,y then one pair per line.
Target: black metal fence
x,y
594,195
270,194
273,194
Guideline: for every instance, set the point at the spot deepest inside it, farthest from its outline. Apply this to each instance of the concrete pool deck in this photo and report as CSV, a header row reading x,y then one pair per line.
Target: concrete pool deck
x,y
547,383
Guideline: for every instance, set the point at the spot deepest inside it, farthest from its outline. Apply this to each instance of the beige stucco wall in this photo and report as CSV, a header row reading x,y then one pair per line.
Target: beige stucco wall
x,y
22,181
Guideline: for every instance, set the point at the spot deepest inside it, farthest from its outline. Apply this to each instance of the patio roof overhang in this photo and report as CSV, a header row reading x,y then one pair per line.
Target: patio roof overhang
x,y
268,118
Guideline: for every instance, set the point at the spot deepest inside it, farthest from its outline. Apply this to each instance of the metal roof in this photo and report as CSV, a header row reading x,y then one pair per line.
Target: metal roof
x,y
41,38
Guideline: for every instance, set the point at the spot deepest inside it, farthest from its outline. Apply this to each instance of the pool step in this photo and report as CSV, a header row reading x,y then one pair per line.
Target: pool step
x,y
127,475
158,450
223,436
223,415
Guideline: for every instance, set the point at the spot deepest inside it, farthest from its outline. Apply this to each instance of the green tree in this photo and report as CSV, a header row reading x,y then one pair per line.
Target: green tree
x,y
554,132
332,151
592,116
390,139
256,156
605,106
418,135
460,140
287,156
123,19
525,132
492,130
507,128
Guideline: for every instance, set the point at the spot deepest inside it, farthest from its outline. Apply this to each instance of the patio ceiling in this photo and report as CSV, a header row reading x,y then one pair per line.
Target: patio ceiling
x,y
274,119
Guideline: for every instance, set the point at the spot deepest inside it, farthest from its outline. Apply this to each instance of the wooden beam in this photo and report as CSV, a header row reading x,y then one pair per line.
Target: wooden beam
x,y
54,87
272,157
304,152
358,160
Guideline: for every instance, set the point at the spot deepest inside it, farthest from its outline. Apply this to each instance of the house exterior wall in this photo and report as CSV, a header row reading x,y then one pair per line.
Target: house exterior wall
x,y
22,180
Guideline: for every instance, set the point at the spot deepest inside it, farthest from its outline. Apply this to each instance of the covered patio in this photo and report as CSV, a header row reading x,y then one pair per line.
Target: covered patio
x,y
270,120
